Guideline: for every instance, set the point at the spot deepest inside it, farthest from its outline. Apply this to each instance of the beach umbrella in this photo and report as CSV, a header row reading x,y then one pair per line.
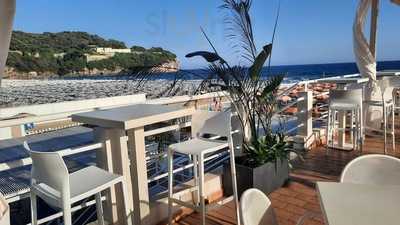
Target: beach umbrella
x,y
365,54
7,13
285,98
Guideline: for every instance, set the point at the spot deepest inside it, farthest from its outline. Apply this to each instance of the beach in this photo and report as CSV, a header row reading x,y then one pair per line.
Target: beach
x,y
41,91
28,92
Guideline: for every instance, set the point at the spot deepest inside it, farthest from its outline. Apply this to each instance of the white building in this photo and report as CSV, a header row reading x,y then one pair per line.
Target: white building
x,y
101,50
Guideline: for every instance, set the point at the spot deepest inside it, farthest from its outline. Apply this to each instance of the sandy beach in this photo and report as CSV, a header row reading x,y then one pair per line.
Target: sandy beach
x,y
28,92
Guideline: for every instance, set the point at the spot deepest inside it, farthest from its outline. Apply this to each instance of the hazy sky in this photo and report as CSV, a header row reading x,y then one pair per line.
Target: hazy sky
x,y
310,31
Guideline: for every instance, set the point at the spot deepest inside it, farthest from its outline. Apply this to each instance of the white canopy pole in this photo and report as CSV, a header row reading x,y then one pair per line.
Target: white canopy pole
x,y
7,13
374,26
365,59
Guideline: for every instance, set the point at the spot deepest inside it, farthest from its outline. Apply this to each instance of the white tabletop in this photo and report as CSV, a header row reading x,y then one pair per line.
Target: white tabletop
x,y
355,204
133,116
344,80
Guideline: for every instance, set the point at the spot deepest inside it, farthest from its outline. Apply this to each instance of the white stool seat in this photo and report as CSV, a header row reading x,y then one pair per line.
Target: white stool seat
x,y
386,85
99,180
197,146
343,106
341,102
216,124
379,103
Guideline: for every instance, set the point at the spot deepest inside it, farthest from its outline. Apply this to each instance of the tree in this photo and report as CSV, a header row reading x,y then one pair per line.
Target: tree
x,y
136,48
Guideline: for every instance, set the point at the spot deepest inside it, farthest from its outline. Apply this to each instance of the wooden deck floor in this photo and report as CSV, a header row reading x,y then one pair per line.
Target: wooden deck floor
x,y
299,196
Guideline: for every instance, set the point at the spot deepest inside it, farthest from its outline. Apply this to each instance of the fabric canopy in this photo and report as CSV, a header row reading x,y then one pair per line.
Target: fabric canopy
x,y
7,13
366,61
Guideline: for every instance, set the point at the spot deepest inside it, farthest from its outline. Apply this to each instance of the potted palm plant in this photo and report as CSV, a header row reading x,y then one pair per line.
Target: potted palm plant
x,y
263,162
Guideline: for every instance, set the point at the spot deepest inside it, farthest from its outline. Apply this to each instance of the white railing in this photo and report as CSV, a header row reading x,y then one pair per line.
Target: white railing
x,y
57,112
72,151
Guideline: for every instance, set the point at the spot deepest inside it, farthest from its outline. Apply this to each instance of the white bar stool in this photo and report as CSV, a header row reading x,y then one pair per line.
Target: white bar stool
x,y
388,108
346,100
210,123
52,183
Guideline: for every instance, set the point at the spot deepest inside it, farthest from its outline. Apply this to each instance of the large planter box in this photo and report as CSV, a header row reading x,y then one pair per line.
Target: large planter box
x,y
266,178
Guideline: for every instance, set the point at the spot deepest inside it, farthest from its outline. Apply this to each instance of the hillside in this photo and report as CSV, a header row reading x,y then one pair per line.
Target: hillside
x,y
78,53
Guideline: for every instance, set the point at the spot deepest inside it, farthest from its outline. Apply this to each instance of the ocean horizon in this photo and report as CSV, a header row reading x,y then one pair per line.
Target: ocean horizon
x,y
293,73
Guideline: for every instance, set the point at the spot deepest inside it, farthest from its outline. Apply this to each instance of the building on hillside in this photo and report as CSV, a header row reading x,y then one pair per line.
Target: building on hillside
x,y
103,50
59,55
90,58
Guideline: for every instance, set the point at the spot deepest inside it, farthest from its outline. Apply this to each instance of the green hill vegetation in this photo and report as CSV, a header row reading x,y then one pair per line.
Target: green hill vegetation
x,y
66,52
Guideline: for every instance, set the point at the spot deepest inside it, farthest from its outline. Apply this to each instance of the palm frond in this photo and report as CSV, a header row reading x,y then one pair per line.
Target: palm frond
x,y
271,86
240,26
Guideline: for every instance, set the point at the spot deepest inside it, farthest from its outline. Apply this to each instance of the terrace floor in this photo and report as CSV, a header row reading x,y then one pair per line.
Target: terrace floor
x,y
299,196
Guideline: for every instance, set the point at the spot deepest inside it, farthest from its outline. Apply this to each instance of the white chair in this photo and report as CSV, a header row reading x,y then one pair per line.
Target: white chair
x,y
256,209
4,211
388,108
345,101
209,123
52,183
372,169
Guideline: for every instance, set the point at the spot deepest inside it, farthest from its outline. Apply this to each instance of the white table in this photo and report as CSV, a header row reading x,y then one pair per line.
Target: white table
x,y
356,204
341,85
122,130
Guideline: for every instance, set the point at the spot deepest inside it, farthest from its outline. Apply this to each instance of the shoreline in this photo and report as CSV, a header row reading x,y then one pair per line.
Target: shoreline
x,y
22,92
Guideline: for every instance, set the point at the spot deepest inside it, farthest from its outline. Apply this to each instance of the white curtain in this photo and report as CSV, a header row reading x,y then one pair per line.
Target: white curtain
x,y
366,64
7,13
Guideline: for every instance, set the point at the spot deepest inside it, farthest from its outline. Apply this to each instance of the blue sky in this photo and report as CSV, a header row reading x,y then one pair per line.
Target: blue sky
x,y
310,31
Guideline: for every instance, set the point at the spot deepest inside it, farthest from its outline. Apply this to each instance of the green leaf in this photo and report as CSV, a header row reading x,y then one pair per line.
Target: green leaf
x,y
272,85
208,56
255,69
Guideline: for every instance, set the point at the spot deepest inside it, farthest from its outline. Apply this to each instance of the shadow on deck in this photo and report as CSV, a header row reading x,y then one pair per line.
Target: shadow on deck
x,y
299,195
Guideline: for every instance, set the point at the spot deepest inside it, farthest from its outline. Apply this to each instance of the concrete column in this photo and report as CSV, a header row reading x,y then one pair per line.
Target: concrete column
x,y
113,157
138,172
304,139
7,13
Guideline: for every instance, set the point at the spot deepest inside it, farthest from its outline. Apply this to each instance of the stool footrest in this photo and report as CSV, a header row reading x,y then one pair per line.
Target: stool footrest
x,y
185,204
186,190
220,203
214,205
